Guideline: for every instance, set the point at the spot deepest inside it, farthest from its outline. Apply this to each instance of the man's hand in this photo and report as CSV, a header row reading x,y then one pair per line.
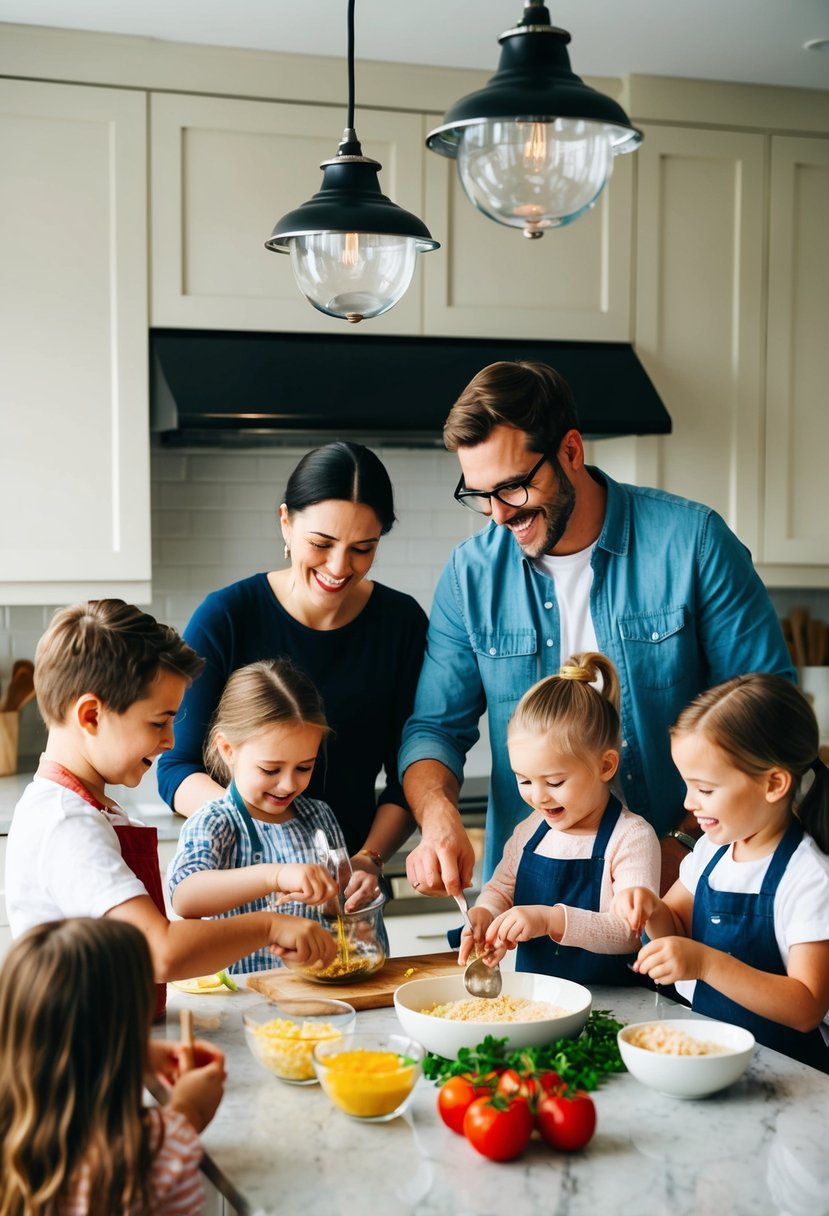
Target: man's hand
x,y
442,863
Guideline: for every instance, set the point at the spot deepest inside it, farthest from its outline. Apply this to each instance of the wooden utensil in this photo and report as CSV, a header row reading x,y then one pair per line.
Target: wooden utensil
x,y
188,1055
375,992
20,691
814,643
799,618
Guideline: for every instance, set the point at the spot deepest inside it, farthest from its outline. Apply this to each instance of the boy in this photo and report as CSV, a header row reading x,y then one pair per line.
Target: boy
x,y
109,681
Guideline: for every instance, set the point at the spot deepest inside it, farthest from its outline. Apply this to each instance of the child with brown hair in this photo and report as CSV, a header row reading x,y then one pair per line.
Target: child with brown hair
x,y
744,931
109,681
260,837
76,1003
550,895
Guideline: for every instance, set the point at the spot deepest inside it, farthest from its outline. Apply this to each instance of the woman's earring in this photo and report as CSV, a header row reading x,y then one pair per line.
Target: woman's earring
x,y
286,550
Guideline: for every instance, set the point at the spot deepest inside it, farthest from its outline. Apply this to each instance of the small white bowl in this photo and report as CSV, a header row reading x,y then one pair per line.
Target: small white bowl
x,y
689,1076
445,1037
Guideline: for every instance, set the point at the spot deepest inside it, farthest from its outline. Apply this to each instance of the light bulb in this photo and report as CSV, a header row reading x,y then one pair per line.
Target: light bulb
x,y
353,275
535,175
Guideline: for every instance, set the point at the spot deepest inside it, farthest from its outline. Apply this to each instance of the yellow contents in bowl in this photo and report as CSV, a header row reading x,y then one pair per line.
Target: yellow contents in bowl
x,y
286,1047
368,1083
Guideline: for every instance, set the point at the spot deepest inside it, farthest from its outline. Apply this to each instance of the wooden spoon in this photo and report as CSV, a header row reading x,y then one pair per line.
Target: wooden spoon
x,y
20,691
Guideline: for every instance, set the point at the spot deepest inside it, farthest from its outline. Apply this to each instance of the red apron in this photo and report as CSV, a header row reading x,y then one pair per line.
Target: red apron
x,y
139,849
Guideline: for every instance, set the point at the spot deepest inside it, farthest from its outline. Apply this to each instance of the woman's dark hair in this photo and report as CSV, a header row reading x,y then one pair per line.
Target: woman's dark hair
x,y
345,471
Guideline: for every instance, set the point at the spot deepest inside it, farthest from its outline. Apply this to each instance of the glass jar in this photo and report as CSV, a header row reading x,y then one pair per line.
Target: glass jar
x,y
360,950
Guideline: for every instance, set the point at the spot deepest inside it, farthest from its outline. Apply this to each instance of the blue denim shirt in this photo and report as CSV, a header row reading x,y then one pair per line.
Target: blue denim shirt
x,y
676,604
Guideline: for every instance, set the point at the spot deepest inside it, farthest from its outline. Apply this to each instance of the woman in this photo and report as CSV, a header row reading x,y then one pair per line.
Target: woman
x,y
359,641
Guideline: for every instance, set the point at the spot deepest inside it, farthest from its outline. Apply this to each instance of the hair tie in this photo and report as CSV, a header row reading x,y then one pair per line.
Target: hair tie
x,y
581,674
817,765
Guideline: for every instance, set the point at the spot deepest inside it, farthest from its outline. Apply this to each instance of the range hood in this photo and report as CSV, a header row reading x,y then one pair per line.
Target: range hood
x,y
219,388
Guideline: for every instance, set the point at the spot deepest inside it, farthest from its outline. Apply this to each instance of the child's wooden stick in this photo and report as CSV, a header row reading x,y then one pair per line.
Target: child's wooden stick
x,y
188,1059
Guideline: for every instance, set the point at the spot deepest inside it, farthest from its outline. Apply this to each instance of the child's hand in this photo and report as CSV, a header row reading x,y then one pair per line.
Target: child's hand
x,y
668,959
198,1093
635,905
300,940
522,924
480,919
167,1060
303,883
362,886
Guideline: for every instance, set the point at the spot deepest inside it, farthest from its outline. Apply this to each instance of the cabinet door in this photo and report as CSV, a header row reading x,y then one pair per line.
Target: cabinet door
x,y
223,173
699,318
490,281
74,435
797,420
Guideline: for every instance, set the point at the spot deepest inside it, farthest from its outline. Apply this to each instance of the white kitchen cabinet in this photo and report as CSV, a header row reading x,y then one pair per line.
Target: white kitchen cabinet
x,y
699,312
74,435
489,281
797,366
223,172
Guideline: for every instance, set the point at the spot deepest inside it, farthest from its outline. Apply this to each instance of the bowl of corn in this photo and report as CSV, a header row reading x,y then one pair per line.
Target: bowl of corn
x,y
370,1077
282,1035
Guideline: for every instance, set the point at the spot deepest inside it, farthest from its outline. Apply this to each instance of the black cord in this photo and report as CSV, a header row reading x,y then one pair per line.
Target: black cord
x,y
350,120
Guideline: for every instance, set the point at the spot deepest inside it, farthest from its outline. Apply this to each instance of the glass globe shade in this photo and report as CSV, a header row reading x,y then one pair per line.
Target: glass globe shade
x,y
353,274
535,175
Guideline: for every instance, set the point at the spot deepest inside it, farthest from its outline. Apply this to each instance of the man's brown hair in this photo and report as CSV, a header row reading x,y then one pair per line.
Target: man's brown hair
x,y
108,648
532,397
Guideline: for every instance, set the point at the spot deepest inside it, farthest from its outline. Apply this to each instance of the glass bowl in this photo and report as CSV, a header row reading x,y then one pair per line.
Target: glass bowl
x,y
360,951
282,1035
370,1077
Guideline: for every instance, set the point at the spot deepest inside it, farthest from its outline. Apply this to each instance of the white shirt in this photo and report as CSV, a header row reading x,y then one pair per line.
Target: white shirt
x,y
63,858
572,576
801,902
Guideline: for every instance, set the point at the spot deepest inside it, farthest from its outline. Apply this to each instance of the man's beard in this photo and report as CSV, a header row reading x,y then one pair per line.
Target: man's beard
x,y
556,516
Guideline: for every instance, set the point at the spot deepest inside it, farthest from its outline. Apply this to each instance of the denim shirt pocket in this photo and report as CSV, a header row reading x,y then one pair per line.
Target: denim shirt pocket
x,y
507,661
659,649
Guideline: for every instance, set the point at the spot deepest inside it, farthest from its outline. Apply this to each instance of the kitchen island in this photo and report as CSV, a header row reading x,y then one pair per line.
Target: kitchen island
x,y
756,1148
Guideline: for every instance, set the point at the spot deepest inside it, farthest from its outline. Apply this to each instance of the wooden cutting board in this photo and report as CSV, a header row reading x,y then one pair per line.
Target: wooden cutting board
x,y
372,993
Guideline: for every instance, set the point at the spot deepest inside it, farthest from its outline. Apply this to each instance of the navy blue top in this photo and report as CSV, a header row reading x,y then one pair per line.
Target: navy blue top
x,y
366,673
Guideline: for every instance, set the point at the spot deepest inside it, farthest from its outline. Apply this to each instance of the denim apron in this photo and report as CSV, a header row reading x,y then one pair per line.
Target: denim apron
x,y
742,925
578,883
138,844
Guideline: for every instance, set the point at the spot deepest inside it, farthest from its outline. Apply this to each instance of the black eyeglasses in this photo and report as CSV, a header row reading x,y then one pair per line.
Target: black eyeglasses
x,y
514,494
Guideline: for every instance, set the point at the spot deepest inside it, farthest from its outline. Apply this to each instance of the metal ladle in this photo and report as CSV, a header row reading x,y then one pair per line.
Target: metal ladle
x,y
478,978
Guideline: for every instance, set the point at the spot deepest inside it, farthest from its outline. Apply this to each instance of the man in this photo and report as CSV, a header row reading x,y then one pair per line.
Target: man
x,y
571,561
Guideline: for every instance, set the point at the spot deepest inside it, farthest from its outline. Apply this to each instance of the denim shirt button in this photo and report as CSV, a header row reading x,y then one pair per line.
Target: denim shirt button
x,y
624,743
654,637
492,650
549,641
548,603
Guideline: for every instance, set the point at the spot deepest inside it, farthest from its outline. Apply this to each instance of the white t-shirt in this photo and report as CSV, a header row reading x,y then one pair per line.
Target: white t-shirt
x,y
573,578
63,858
801,902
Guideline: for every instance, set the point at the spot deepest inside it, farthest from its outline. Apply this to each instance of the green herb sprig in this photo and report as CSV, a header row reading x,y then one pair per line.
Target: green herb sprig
x,y
582,1063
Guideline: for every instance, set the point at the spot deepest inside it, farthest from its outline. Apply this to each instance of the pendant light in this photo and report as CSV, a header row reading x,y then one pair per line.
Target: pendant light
x,y
535,146
353,250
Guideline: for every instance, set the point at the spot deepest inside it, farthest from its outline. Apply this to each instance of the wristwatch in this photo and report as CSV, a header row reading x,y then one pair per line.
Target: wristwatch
x,y
683,838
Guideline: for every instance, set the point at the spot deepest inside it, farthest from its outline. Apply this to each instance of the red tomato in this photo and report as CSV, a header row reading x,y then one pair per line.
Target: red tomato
x,y
454,1096
531,1086
566,1123
498,1129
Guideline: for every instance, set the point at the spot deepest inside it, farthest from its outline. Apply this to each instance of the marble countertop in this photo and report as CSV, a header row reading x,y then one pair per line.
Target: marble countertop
x,y
756,1148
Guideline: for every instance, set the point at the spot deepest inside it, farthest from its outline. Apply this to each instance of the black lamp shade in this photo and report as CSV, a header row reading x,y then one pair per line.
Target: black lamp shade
x,y
350,200
534,83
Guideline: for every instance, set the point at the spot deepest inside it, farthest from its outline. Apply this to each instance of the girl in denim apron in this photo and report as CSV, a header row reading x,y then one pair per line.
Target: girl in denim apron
x,y
256,847
549,897
744,932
